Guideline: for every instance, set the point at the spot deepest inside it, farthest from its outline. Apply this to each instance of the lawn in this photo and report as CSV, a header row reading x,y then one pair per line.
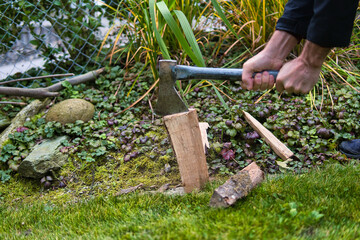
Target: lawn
x,y
125,144
321,204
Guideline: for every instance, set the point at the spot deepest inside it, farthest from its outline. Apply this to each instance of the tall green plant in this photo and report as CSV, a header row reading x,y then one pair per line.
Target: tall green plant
x,y
152,30
252,20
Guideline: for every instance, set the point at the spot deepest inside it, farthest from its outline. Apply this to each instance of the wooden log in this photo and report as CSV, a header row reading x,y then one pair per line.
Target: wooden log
x,y
237,187
276,145
184,132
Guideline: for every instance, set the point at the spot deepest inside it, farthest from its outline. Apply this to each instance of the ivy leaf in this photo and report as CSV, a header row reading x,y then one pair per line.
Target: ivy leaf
x,y
4,175
228,154
66,84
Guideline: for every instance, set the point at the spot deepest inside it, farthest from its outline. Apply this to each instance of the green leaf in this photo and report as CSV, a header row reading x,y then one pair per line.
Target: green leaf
x,y
190,36
231,132
283,165
57,2
293,212
4,175
159,39
177,32
316,215
66,84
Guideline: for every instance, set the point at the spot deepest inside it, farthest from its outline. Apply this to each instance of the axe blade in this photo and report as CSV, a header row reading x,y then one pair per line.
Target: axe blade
x,y
169,100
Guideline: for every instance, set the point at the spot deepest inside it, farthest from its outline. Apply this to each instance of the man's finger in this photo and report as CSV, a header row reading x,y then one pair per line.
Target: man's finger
x,y
265,81
247,80
257,81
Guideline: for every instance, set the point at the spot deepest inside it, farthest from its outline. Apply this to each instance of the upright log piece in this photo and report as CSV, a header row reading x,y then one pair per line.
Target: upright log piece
x,y
185,135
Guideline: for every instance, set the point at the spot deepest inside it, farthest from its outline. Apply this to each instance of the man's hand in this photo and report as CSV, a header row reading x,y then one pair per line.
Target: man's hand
x,y
271,58
301,74
259,63
297,76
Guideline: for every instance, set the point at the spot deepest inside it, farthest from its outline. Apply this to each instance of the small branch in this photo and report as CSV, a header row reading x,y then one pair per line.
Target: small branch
x,y
14,103
39,77
76,80
50,91
27,92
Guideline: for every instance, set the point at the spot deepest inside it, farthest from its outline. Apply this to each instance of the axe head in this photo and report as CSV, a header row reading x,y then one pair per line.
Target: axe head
x,y
169,100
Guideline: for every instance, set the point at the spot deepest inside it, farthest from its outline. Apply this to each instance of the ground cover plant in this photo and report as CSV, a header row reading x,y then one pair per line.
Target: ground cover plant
x,y
135,142
126,145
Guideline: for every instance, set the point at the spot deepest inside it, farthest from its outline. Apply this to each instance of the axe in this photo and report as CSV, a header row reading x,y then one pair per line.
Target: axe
x,y
169,100
183,126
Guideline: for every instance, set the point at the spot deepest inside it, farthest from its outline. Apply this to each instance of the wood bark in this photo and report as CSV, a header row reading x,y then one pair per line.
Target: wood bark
x,y
50,91
184,132
237,187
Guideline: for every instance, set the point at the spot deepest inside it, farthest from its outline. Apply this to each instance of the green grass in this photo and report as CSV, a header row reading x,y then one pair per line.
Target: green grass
x,y
322,204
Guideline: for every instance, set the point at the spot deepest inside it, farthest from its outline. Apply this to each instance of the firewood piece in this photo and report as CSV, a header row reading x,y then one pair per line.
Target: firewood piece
x,y
276,145
203,127
184,132
238,186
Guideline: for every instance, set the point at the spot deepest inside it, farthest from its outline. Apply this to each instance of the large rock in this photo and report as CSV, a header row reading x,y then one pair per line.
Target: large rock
x,y
68,111
45,156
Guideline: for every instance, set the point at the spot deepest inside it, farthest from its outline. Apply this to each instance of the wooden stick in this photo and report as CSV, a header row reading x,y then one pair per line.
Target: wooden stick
x,y
14,103
184,132
50,91
38,77
276,145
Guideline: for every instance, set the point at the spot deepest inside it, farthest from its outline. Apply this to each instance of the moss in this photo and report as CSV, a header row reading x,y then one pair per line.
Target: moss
x,y
106,176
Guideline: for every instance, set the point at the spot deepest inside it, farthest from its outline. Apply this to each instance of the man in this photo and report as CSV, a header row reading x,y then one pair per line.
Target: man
x,y
323,24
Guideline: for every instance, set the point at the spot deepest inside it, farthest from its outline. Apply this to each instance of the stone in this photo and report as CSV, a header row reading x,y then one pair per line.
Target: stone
x,y
176,191
44,157
71,110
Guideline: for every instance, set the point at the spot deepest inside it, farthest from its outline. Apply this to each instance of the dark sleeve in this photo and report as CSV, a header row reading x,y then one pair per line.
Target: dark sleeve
x,y
332,23
296,17
327,23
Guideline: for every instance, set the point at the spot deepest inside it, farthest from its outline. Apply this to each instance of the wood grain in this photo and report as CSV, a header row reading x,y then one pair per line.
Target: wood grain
x,y
184,132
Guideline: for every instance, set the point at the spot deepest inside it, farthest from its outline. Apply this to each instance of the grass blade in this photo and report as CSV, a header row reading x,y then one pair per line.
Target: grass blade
x,y
223,17
158,37
177,32
190,36
220,97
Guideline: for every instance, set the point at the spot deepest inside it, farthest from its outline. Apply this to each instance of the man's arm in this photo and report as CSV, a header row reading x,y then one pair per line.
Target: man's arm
x,y
301,74
271,58
324,23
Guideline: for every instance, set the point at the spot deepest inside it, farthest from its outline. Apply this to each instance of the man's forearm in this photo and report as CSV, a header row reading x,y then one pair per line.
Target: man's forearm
x,y
313,54
280,44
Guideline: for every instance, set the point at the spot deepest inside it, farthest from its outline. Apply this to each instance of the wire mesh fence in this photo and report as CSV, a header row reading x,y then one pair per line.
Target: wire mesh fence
x,y
51,37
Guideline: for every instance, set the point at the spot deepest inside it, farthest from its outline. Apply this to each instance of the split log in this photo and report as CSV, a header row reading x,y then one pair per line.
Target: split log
x,y
185,136
276,145
50,91
238,186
